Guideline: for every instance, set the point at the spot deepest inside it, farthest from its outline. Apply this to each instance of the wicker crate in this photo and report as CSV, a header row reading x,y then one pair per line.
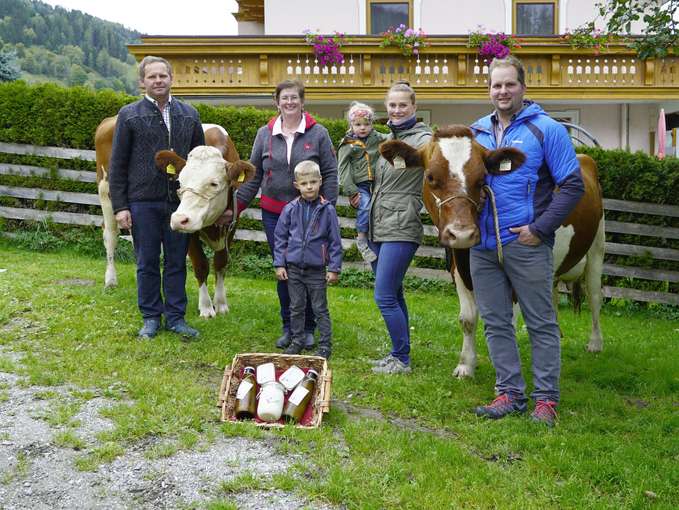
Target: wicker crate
x,y
320,400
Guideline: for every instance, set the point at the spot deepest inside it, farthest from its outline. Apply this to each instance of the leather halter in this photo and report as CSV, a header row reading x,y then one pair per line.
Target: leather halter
x,y
439,203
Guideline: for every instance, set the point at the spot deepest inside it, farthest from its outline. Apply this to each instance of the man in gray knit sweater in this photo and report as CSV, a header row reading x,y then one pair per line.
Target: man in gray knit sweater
x,y
143,198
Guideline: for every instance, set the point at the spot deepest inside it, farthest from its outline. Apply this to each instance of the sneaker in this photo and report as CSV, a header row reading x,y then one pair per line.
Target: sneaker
x,y
501,407
545,412
323,352
149,329
380,362
294,348
283,341
392,366
365,251
309,340
182,328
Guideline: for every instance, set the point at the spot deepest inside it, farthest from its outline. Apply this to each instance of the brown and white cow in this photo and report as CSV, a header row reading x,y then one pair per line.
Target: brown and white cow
x,y
214,173
455,166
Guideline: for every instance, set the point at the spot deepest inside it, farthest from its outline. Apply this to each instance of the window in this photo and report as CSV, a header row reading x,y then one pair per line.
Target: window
x,y
535,17
383,14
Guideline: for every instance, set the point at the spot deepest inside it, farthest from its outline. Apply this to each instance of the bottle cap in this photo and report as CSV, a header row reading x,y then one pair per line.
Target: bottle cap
x,y
249,370
312,373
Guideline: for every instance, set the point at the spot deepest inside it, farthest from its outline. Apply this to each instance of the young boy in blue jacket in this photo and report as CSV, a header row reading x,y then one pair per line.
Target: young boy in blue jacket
x,y
307,241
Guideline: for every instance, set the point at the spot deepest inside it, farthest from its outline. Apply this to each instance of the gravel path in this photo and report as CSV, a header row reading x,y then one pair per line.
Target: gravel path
x,y
37,473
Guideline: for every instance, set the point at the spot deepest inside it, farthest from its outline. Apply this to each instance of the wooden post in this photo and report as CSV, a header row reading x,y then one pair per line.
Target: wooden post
x,y
556,70
462,69
263,69
649,75
367,70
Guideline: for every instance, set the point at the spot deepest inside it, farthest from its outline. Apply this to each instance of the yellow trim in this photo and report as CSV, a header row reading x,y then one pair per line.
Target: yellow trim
x,y
368,18
553,2
237,66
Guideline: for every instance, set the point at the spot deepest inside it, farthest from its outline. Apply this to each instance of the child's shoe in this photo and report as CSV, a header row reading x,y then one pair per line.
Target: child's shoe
x,y
365,251
294,348
324,352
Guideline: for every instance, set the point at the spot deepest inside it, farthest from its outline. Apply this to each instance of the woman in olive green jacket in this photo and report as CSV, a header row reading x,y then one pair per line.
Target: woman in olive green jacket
x,y
395,226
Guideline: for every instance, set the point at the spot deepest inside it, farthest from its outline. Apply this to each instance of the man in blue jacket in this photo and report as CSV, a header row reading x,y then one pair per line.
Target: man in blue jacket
x,y
143,198
307,241
529,212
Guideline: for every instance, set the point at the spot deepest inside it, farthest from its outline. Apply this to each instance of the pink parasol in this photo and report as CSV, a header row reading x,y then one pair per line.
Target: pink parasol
x,y
661,134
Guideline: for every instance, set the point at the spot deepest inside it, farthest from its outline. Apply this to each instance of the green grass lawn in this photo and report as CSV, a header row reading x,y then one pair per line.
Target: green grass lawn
x,y
616,445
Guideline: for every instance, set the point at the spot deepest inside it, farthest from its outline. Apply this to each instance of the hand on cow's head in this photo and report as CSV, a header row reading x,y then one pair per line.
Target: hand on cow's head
x,y
239,172
169,162
503,160
397,148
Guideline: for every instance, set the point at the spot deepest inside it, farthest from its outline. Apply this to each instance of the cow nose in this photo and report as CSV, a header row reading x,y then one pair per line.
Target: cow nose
x,y
459,237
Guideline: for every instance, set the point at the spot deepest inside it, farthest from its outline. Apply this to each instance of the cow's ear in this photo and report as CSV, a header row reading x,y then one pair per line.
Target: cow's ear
x,y
506,159
397,148
169,163
239,172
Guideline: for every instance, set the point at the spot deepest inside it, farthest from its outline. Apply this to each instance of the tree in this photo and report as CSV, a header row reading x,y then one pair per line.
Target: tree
x,y
660,33
77,76
9,66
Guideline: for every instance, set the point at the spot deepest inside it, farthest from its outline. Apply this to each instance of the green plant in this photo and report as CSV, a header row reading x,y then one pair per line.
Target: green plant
x,y
409,40
660,28
587,36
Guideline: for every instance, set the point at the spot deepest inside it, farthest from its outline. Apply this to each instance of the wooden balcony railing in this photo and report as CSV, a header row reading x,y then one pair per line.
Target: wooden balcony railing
x,y
447,69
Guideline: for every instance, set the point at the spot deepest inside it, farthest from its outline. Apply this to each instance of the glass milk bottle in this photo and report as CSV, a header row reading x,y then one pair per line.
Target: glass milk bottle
x,y
246,395
299,400
271,400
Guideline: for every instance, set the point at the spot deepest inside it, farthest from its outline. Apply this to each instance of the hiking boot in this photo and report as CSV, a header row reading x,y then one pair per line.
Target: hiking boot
x,y
365,251
294,348
283,341
182,328
309,340
149,329
380,362
501,407
323,352
545,412
392,366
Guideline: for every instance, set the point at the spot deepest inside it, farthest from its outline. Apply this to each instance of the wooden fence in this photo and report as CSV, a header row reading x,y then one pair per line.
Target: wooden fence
x,y
612,227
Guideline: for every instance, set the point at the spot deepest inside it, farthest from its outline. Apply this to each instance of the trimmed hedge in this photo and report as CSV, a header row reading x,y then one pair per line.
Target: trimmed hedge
x,y
636,176
51,115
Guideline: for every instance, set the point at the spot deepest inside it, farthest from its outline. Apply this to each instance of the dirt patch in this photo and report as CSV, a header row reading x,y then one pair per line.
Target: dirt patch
x,y
45,431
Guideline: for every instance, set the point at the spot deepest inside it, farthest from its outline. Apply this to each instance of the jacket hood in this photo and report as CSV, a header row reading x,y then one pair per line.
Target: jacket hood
x,y
309,121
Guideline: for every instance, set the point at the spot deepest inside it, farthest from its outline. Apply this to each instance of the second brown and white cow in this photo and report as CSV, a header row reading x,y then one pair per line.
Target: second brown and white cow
x,y
455,167
209,179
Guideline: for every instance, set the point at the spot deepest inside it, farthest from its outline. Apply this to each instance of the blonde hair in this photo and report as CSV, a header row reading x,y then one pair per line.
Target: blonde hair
x,y
402,86
360,111
508,61
306,168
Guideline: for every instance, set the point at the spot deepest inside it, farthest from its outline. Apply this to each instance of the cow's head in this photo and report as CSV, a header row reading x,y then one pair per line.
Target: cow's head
x,y
206,181
455,166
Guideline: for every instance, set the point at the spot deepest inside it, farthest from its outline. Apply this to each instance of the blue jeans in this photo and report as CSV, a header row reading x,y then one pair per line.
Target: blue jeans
x,y
528,271
363,212
151,231
393,259
269,221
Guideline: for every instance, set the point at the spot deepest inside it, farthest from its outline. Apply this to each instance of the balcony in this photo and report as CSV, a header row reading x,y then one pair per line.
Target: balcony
x,y
447,70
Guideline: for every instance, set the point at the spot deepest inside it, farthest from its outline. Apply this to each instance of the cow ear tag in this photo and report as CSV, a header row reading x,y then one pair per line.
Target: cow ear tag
x,y
399,162
170,169
505,165
241,177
